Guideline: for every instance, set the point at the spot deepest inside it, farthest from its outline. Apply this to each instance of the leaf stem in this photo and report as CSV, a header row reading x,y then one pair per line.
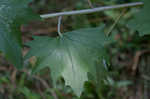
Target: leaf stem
x,y
87,11
59,26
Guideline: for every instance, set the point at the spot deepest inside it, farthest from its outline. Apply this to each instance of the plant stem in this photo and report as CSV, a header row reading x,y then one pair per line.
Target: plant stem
x,y
115,23
87,11
90,3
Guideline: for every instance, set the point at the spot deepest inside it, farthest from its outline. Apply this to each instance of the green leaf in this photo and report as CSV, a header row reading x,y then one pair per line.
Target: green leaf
x,y
29,94
13,13
141,22
71,56
100,72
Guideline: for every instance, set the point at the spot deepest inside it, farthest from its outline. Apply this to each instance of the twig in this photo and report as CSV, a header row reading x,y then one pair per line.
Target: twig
x,y
13,76
46,86
43,82
86,11
115,23
40,91
3,68
137,58
146,77
90,3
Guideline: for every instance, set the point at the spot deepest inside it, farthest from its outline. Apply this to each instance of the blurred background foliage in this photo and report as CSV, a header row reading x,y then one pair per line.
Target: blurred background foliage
x,y
115,78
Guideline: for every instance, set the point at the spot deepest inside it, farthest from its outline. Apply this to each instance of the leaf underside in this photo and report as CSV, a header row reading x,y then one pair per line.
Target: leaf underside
x,y
13,13
71,56
141,22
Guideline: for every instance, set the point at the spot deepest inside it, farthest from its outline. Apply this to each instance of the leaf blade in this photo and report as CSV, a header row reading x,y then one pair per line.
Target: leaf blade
x,y
141,22
13,14
71,56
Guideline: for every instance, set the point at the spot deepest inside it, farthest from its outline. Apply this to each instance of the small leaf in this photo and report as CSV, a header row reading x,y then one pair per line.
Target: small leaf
x,y
141,22
100,71
29,94
71,56
13,13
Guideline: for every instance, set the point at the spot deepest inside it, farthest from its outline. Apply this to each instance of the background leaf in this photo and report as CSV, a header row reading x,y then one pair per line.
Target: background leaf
x,y
71,56
141,22
13,13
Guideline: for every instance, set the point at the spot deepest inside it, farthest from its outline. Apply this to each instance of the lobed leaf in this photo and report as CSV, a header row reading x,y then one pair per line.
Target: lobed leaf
x,y
141,22
71,56
13,13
